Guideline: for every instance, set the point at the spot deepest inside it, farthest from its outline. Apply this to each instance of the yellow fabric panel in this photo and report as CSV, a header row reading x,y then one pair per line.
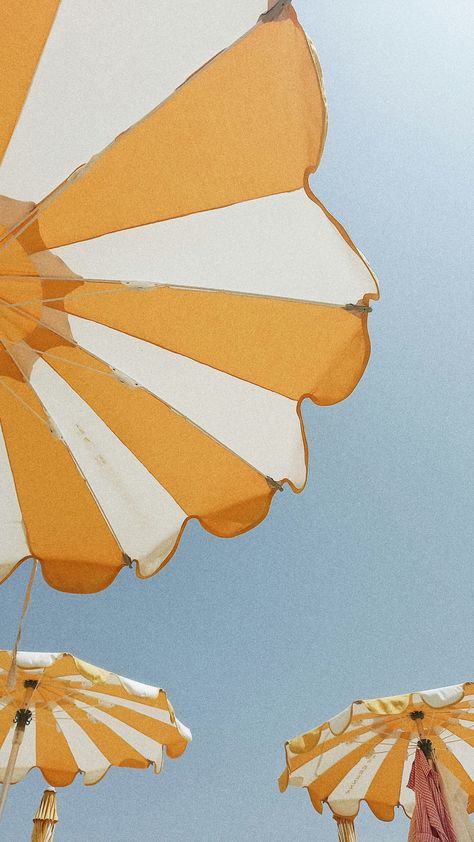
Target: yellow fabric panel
x,y
6,717
17,323
315,799
24,28
13,258
384,791
290,347
306,742
65,528
283,780
53,755
389,706
176,749
250,123
117,751
205,479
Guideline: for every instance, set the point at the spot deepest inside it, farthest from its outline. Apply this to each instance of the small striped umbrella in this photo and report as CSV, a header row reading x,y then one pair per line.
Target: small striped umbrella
x,y
65,716
366,752
46,817
143,403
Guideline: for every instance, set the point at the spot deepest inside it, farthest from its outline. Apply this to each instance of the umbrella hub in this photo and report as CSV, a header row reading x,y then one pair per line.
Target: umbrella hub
x,y
417,714
23,717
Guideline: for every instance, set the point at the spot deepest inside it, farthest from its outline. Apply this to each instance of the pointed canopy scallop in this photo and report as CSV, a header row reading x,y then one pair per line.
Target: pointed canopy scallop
x,y
83,719
366,752
128,408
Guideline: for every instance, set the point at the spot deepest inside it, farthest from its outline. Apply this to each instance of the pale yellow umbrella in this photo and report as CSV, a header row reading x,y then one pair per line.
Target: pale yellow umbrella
x,y
46,817
365,753
140,405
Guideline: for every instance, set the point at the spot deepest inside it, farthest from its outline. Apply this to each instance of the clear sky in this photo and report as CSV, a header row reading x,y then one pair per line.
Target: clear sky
x,y
361,586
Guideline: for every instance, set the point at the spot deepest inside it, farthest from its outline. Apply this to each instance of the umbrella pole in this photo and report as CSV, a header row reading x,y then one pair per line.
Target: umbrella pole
x,y
424,743
22,719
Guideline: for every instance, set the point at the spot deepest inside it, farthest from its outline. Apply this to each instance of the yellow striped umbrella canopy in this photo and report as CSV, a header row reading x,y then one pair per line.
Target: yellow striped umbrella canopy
x,y
140,405
83,719
366,752
46,817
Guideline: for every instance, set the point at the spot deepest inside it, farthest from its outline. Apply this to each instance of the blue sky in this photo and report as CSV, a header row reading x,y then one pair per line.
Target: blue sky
x,y
362,585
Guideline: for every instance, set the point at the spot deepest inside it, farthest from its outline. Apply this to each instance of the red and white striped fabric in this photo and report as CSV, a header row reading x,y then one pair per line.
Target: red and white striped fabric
x,y
431,820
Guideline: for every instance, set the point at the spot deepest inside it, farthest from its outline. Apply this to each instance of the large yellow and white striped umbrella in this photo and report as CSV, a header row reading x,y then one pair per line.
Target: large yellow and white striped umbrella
x,y
128,408
65,716
366,752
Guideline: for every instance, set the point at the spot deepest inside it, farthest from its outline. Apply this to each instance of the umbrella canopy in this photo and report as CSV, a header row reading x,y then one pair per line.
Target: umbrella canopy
x,y
76,717
46,817
141,405
367,751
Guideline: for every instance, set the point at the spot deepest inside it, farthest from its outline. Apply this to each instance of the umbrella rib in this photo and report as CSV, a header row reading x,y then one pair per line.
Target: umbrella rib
x,y
145,286
172,408
48,353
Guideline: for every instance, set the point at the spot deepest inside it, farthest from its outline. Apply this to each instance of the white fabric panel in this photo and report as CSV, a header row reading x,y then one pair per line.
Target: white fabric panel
x,y
13,544
123,59
148,748
457,803
5,750
344,799
184,730
260,426
88,757
282,245
26,759
407,796
461,750
340,722
443,696
141,513
136,688
36,660
104,700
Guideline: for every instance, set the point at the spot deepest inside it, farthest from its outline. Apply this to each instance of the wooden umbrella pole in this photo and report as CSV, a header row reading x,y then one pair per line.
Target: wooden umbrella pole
x,y
11,678
22,719
424,743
